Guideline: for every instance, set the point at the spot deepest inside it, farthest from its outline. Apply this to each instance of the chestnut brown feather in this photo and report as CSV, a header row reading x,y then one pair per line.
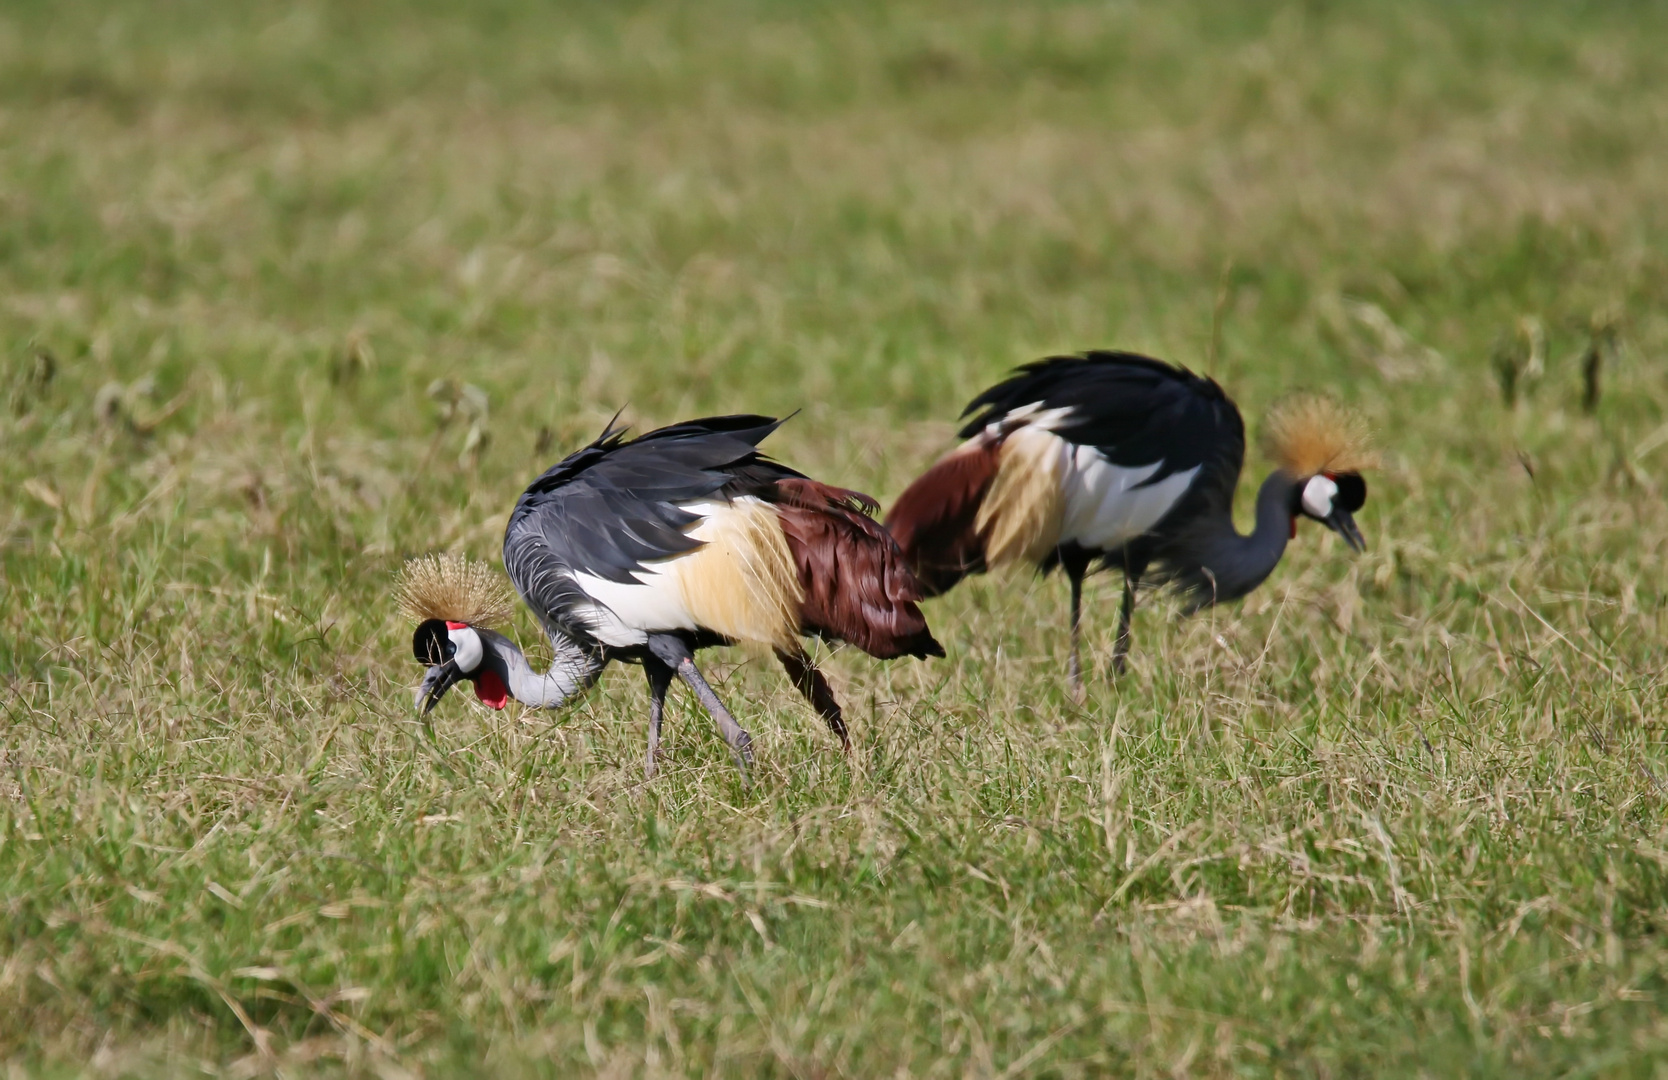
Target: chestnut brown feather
x,y
803,491
857,585
935,520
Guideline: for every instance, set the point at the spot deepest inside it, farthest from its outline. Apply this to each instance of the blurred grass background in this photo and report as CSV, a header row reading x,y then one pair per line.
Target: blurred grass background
x,y
289,292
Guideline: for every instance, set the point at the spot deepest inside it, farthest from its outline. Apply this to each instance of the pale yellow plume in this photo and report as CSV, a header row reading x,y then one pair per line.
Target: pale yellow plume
x,y
1309,434
741,582
453,588
1021,514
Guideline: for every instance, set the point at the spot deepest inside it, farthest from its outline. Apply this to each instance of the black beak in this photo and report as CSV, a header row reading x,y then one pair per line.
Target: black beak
x,y
1341,523
435,684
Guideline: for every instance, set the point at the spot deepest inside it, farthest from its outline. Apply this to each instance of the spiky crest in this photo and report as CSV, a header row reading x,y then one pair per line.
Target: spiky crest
x,y
1311,433
454,588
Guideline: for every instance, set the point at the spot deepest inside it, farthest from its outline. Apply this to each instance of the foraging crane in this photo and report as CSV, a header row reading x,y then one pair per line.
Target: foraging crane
x,y
1124,460
649,549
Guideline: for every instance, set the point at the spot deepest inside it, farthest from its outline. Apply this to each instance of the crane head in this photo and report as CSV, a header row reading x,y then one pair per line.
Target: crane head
x,y
451,598
455,651
1332,499
1324,445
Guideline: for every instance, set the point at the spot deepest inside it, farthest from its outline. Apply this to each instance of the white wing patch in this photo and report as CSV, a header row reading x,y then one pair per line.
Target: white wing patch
x,y
1106,507
622,614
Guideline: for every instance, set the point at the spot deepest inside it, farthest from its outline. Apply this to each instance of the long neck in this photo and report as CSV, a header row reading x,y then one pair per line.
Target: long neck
x,y
1238,564
572,671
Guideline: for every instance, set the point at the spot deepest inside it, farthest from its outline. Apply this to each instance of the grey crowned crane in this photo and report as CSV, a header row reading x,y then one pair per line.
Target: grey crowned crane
x,y
649,549
1115,460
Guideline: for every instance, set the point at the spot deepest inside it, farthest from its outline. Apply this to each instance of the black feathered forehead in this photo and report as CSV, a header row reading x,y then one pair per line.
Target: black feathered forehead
x,y
431,644
1352,491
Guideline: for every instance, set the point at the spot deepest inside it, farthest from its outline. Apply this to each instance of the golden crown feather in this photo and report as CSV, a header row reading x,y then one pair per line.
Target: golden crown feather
x,y
453,588
1311,433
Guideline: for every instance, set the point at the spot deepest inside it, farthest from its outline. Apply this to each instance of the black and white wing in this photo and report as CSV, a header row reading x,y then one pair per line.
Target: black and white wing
x,y
1144,441
582,538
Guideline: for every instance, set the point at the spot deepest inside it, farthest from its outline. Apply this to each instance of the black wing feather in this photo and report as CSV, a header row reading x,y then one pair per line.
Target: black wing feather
x,y
611,507
1134,409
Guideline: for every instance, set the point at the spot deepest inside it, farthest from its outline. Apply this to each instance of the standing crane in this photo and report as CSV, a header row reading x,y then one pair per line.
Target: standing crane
x,y
1127,462
649,549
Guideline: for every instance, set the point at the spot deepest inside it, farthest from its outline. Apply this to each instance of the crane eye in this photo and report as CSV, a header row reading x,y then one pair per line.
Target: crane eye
x,y
466,649
430,644
1352,492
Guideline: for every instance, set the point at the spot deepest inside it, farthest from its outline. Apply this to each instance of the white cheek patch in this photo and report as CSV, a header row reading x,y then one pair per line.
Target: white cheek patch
x,y
468,646
1317,496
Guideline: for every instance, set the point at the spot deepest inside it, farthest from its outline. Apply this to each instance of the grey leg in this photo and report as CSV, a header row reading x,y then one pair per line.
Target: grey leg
x,y
1121,650
679,655
660,680
740,742
809,682
1074,666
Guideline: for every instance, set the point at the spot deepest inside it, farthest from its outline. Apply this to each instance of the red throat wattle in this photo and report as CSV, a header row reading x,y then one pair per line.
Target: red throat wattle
x,y
491,690
1294,526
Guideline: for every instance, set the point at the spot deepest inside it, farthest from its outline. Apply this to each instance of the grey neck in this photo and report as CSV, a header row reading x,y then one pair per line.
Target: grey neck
x,y
573,671
1238,563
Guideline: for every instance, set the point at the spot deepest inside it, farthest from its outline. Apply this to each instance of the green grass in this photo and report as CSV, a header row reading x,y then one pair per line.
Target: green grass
x,y
1392,815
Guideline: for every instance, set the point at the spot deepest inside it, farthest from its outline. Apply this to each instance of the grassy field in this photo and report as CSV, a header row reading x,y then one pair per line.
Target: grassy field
x,y
291,292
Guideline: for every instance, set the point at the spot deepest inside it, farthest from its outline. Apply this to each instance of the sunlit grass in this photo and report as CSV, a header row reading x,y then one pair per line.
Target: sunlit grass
x,y
263,270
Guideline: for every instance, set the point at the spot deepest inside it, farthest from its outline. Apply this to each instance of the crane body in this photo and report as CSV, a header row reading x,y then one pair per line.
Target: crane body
x,y
1119,461
648,550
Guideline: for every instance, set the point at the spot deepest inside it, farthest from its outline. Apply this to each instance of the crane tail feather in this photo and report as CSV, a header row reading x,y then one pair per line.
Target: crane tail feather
x,y
857,586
